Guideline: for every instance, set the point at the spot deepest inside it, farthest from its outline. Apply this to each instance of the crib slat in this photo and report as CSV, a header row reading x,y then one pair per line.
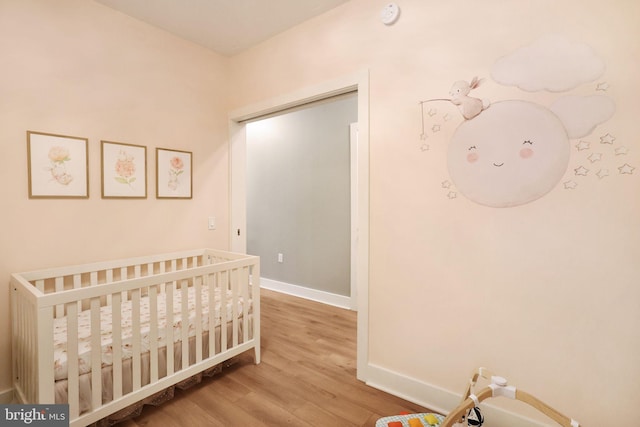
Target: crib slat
x,y
124,276
234,299
153,333
77,284
44,349
22,329
162,271
255,299
184,317
72,360
135,338
96,354
223,285
169,328
25,345
33,377
210,278
109,278
30,323
19,336
198,318
116,334
59,286
244,292
93,279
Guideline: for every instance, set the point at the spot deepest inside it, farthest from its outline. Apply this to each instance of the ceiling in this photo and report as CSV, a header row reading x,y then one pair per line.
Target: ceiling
x,y
224,26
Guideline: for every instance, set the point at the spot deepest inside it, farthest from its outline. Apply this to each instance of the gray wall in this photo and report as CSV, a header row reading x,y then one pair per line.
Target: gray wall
x,y
298,195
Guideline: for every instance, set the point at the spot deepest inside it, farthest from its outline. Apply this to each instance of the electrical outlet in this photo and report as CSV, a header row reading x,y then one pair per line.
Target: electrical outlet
x,y
212,223
280,257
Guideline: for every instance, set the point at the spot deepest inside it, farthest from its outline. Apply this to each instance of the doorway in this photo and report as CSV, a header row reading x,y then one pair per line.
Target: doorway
x,y
299,205
358,82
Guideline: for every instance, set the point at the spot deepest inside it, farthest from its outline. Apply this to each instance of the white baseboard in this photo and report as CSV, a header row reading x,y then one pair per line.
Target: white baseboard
x,y
6,397
437,399
307,293
428,395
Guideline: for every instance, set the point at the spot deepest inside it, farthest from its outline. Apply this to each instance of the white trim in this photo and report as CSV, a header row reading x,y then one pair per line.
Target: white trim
x,y
6,397
355,188
304,96
237,180
359,82
306,293
438,399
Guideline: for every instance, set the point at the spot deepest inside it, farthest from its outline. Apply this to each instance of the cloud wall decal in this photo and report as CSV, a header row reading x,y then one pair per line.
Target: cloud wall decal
x,y
553,63
581,114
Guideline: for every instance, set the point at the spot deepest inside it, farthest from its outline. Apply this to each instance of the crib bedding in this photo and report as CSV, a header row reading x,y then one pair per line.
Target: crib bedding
x,y
106,319
84,380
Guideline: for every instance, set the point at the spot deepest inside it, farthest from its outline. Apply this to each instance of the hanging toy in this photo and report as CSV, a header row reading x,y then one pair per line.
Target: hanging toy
x,y
475,417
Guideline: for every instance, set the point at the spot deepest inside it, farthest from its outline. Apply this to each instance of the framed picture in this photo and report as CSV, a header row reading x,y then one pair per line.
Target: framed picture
x,y
58,166
173,174
124,170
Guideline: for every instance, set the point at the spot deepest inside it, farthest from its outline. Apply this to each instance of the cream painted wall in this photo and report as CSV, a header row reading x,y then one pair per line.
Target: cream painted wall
x,y
75,67
545,294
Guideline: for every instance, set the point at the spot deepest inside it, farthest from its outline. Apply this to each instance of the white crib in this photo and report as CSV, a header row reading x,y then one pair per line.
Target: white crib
x,y
121,308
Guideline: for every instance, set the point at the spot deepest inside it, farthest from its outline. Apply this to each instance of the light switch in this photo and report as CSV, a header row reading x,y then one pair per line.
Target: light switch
x,y
212,223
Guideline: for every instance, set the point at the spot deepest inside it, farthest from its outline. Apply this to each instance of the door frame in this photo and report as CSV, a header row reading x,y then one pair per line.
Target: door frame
x,y
237,185
354,191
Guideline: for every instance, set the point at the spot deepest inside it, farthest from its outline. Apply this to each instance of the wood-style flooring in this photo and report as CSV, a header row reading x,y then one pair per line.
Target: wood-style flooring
x,y
307,377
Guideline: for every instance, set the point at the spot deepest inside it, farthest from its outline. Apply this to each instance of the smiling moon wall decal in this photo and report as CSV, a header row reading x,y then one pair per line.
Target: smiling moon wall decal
x,y
511,154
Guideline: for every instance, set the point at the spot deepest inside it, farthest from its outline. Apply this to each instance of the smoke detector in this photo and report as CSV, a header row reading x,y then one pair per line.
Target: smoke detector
x,y
390,14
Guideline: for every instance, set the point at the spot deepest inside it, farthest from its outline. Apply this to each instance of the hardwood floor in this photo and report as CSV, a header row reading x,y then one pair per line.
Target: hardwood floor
x,y
307,377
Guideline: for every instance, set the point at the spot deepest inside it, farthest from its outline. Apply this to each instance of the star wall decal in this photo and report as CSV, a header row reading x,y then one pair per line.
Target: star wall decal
x,y
447,117
626,169
603,86
621,151
607,139
452,195
423,136
595,157
446,184
570,185
582,171
432,112
602,173
424,147
583,145
435,128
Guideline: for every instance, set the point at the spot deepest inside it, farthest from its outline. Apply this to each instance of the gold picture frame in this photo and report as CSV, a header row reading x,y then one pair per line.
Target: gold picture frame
x,y
124,170
174,174
57,166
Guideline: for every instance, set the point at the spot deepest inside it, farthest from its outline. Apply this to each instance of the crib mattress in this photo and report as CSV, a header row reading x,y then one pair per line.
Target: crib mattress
x,y
106,320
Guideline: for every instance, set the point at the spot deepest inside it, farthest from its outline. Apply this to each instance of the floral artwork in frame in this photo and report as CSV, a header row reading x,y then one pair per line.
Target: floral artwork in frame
x,y
124,170
58,166
173,174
